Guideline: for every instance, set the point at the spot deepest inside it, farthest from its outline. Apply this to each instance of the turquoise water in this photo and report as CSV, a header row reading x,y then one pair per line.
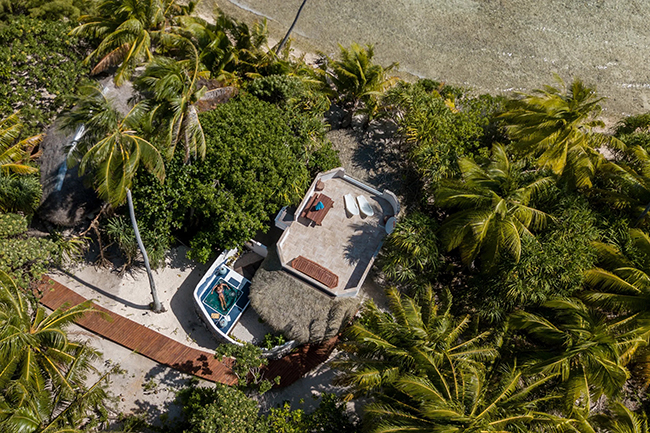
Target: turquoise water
x,y
230,294
490,45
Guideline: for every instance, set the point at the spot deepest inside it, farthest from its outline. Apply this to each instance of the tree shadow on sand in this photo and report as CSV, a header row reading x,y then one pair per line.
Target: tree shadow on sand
x,y
182,306
373,154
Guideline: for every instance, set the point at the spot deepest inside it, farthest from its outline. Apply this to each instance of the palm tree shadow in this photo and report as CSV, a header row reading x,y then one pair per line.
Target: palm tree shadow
x,y
378,153
360,249
104,292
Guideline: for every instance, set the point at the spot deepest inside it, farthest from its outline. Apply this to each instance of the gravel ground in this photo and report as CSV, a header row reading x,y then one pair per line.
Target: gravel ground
x,y
494,46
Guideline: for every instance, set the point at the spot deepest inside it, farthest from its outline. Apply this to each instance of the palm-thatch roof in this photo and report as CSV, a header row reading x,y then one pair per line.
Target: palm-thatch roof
x,y
298,310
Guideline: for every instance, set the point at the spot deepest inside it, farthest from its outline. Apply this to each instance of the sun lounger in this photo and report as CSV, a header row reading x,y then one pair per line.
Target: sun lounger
x,y
364,206
315,271
350,204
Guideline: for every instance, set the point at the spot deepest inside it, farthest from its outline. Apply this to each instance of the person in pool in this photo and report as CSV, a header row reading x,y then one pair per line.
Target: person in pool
x,y
219,288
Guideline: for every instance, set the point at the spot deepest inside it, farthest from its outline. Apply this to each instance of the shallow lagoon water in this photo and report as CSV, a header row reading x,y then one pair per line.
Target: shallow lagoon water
x,y
490,45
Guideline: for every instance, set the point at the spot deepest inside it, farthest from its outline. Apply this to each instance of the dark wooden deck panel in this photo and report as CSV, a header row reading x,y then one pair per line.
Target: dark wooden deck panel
x,y
139,338
292,367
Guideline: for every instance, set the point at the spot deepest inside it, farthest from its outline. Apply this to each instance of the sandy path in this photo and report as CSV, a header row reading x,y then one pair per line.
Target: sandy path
x,y
490,45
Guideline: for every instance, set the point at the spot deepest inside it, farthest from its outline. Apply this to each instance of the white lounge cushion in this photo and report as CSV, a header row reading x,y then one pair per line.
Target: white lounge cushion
x,y
350,204
364,206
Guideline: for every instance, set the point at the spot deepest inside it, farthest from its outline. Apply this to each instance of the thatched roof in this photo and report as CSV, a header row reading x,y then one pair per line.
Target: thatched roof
x,y
301,312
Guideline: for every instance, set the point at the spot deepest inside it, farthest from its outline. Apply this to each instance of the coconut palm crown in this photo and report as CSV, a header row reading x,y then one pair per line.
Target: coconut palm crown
x,y
622,284
556,126
491,208
582,344
383,347
111,147
128,30
14,154
171,84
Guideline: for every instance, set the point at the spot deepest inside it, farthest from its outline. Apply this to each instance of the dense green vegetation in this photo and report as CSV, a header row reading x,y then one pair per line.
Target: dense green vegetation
x,y
221,409
517,275
45,384
39,64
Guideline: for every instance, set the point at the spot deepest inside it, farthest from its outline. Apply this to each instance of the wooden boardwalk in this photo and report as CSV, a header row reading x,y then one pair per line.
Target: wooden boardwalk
x,y
139,338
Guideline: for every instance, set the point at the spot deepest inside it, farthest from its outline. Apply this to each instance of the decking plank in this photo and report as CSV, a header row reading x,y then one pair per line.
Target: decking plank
x,y
139,338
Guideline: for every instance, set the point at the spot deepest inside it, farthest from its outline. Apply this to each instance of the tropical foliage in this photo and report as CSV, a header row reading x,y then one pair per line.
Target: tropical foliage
x,y
439,125
111,147
416,336
45,375
251,169
224,409
555,126
20,194
39,64
411,252
128,31
493,208
15,155
357,82
510,209
173,93
24,258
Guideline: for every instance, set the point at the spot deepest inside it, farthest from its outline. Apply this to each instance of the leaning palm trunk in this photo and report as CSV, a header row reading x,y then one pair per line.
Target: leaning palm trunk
x,y
295,20
157,306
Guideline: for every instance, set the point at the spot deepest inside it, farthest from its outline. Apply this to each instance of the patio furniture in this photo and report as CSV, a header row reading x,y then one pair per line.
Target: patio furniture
x,y
364,206
350,204
310,203
315,271
317,216
390,225
319,185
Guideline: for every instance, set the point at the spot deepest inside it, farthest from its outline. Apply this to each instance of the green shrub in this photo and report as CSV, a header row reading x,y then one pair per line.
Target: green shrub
x,y
219,409
39,64
251,169
323,159
20,194
271,341
24,258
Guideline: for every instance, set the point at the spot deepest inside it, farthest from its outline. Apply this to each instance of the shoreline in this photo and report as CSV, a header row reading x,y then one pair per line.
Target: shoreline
x,y
494,47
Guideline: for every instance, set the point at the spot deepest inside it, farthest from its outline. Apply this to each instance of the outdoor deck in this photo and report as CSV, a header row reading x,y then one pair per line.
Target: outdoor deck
x,y
139,338
343,244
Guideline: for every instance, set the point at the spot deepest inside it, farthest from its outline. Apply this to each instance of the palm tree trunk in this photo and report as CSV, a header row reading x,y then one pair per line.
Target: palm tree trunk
x,y
157,306
295,20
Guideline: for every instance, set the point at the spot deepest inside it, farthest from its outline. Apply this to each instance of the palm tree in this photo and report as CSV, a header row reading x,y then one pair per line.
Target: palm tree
x,y
356,79
630,178
20,194
491,208
621,284
111,147
411,251
216,50
626,421
34,348
128,30
295,20
555,125
416,334
582,344
171,85
463,400
43,375
15,155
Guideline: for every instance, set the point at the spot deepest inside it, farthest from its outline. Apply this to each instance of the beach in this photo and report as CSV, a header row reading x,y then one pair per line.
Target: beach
x,y
492,46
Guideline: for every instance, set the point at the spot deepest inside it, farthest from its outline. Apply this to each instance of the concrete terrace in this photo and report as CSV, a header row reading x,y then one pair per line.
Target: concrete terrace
x,y
344,244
